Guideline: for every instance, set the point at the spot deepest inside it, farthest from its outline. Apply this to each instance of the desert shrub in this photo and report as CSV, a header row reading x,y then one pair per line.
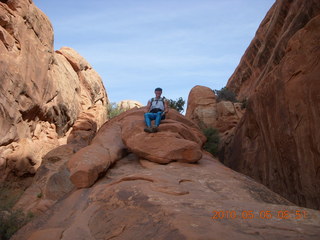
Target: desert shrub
x,y
244,103
225,94
114,110
11,221
213,139
177,104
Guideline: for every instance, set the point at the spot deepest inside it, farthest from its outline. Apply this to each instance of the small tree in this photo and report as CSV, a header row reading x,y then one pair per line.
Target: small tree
x,y
114,110
225,94
12,221
177,104
213,139
244,103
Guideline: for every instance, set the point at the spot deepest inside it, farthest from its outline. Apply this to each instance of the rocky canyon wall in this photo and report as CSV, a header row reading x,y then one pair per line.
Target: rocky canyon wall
x,y
43,93
277,142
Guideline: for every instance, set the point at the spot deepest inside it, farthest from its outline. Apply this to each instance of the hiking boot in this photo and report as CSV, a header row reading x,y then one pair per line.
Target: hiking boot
x,y
148,130
154,129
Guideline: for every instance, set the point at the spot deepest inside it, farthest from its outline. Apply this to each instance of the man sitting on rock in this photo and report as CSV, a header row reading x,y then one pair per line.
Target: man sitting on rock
x,y
157,107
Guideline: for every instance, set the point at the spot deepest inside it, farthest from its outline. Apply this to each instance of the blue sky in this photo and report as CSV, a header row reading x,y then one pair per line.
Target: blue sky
x,y
138,45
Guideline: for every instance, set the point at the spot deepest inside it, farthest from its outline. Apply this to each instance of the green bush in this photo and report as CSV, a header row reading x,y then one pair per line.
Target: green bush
x,y
225,94
114,110
244,103
213,139
11,221
177,104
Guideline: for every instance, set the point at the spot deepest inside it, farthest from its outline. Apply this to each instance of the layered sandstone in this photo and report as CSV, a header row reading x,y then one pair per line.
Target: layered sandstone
x,y
178,139
204,109
43,93
270,44
177,200
201,106
277,140
120,188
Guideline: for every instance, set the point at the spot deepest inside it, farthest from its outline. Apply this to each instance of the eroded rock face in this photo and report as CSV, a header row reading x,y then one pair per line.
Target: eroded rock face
x,y
50,183
25,59
204,109
202,106
177,200
144,200
270,44
178,139
277,140
43,93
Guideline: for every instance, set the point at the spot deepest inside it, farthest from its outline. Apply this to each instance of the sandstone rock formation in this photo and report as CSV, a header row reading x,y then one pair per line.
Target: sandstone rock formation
x,y
177,200
139,199
43,93
129,104
204,109
277,140
201,106
50,183
178,139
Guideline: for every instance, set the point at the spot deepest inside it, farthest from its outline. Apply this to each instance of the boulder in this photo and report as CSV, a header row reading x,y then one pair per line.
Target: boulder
x,y
201,106
277,140
129,104
175,141
90,162
91,90
204,109
178,139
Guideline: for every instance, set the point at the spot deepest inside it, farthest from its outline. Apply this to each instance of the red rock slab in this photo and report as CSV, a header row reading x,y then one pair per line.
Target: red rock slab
x,y
86,165
177,139
139,199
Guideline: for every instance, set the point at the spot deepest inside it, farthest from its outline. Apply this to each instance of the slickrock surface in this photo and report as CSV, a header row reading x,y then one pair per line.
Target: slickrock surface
x,y
50,183
178,139
42,93
277,140
139,199
114,184
122,192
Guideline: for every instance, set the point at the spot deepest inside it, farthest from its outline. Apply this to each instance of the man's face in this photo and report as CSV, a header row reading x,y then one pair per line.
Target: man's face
x,y
158,93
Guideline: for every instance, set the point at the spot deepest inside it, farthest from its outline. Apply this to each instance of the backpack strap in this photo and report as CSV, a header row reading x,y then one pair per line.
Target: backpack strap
x,y
162,99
